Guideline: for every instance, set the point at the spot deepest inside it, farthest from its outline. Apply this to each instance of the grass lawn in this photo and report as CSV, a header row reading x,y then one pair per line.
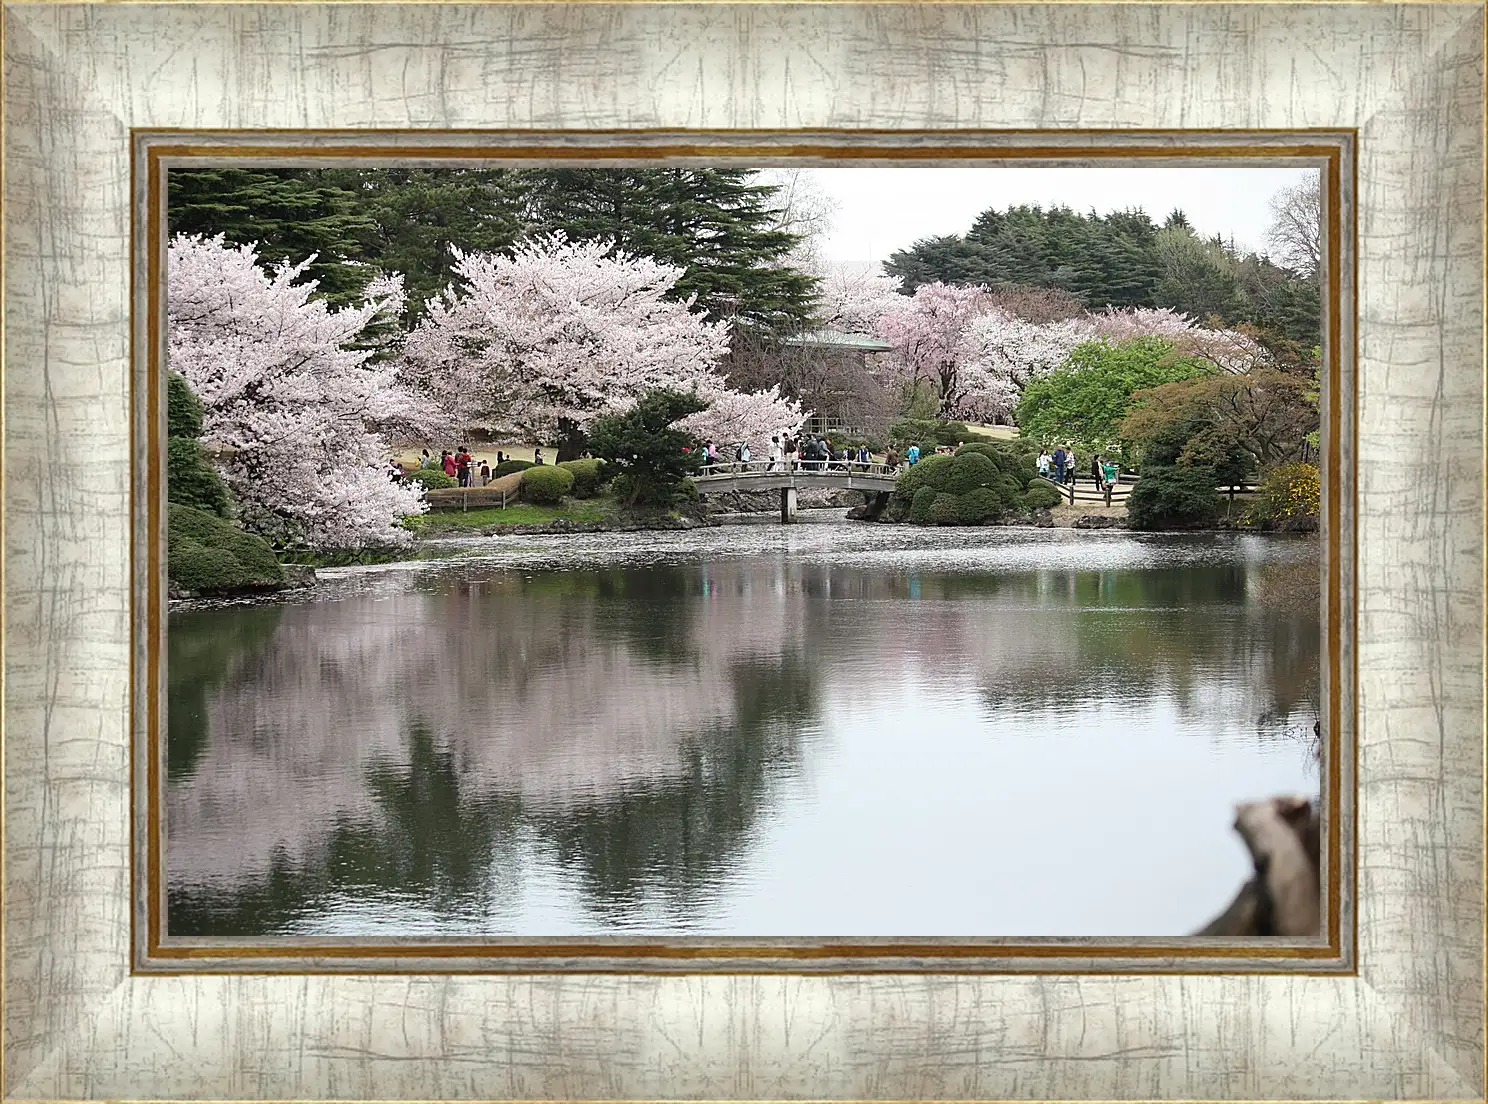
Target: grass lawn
x,y
454,521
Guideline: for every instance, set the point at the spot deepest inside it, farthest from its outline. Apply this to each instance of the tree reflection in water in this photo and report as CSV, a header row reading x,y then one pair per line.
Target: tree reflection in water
x,y
427,747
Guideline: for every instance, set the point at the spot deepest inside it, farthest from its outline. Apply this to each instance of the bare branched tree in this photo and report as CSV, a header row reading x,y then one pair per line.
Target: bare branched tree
x,y
1296,231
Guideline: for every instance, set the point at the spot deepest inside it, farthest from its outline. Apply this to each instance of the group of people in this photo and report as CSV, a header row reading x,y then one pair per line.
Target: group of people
x,y
815,452
458,464
1060,467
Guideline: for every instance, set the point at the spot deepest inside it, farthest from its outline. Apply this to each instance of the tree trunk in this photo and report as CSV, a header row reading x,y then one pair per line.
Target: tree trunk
x,y
571,440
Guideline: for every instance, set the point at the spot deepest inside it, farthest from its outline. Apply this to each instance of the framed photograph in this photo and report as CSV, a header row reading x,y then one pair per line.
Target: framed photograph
x,y
532,575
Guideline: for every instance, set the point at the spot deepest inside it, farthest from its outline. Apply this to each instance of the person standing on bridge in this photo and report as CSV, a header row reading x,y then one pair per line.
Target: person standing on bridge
x,y
1110,473
1059,458
776,453
1097,473
792,450
1043,463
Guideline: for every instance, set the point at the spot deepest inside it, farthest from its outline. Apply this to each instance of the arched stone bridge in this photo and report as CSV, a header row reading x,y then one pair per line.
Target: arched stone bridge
x,y
874,480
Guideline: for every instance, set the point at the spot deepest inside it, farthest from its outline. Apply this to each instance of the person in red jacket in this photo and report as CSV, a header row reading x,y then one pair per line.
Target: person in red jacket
x,y
447,462
462,466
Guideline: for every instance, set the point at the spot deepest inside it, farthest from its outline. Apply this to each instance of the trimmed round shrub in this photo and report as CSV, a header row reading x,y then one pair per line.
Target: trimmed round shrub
x,y
545,485
209,555
191,480
1041,495
589,478
432,479
1008,488
919,509
506,467
944,510
922,474
968,472
1173,497
979,505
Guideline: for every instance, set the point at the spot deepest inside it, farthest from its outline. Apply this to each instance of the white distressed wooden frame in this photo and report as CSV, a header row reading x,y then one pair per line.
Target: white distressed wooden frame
x,y
79,78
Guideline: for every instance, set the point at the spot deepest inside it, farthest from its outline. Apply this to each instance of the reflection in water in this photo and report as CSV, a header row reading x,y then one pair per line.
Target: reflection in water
x,y
852,731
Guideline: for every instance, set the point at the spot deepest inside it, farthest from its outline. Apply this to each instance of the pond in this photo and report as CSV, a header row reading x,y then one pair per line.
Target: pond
x,y
814,730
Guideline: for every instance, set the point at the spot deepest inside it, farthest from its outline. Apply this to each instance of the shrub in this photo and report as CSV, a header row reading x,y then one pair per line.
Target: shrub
x,y
546,485
589,477
909,430
953,433
432,479
919,475
1286,491
506,467
1173,497
1041,495
206,554
966,472
191,480
945,509
687,491
979,505
919,510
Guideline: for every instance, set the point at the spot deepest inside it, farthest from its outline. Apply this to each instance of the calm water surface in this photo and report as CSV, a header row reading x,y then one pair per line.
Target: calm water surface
x,y
755,730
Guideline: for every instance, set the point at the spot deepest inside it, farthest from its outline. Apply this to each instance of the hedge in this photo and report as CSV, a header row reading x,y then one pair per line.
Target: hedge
x,y
506,467
432,478
545,485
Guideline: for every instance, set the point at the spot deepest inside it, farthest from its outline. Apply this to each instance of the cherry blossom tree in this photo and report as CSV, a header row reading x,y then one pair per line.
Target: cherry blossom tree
x,y
545,339
735,416
852,298
287,396
1000,353
928,334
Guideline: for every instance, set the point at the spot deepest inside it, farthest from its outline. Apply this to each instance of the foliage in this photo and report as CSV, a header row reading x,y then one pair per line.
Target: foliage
x,y
1287,492
287,399
1265,413
432,479
544,340
981,504
927,473
1173,497
1041,495
208,555
968,471
283,215
982,482
517,513
944,510
506,467
546,484
1083,403
645,448
717,227
1101,259
920,503
1123,260
588,477
191,479
720,226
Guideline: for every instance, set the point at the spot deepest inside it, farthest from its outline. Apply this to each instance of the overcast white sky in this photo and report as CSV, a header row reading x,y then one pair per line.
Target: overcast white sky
x,y
881,210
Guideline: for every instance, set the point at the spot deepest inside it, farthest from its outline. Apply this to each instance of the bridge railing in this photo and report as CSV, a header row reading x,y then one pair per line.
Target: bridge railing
x,y
800,467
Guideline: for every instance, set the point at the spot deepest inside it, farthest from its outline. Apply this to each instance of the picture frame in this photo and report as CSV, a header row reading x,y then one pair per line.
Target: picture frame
x,y
86,84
